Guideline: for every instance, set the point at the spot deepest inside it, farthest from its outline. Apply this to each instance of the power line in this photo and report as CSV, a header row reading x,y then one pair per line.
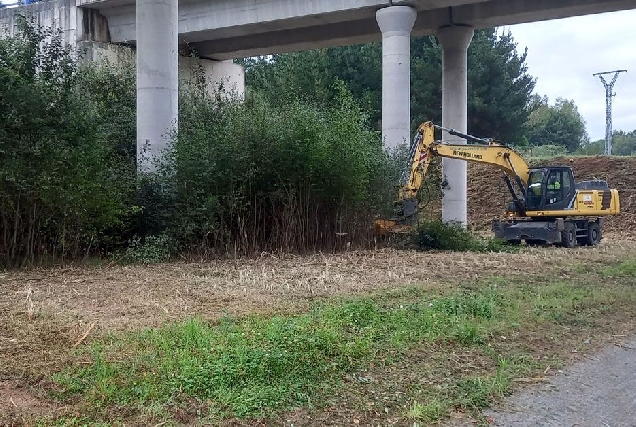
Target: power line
x,y
608,105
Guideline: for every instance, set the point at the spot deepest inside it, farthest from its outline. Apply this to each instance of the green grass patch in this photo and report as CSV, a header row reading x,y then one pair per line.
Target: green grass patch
x,y
257,367
439,235
428,412
253,366
618,268
622,268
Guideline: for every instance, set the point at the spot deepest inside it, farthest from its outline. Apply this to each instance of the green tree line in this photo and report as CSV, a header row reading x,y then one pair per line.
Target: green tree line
x,y
501,99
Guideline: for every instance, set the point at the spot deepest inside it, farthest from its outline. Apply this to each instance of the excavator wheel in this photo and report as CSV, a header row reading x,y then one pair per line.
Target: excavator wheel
x,y
594,234
568,235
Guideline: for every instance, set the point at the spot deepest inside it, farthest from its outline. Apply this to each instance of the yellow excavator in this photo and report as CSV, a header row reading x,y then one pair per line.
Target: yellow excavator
x,y
547,206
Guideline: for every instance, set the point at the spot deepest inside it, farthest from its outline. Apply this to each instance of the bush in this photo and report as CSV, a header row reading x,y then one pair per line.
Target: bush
x,y
65,184
151,250
241,177
248,176
438,235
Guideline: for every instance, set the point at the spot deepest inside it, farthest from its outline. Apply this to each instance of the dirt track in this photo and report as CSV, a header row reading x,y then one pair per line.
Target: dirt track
x,y
600,391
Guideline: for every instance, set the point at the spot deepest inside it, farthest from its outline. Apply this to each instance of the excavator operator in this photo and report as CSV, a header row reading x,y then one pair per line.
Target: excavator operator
x,y
554,183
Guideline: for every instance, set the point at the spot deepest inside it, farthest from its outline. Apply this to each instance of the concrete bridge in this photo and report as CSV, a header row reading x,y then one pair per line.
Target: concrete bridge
x,y
226,29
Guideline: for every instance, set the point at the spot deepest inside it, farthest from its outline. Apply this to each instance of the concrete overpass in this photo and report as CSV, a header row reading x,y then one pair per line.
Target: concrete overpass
x,y
226,29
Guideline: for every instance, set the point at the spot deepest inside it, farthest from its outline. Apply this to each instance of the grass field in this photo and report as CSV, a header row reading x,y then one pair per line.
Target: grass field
x,y
365,337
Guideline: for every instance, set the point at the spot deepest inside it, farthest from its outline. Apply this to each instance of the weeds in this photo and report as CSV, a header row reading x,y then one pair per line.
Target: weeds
x,y
446,236
30,306
426,352
151,250
255,366
429,412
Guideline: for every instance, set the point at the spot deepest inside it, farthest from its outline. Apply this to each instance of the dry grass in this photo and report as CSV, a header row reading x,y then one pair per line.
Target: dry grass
x,y
45,312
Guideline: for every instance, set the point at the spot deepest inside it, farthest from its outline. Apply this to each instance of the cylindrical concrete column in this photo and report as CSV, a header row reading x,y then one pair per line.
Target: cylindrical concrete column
x,y
157,78
396,23
454,41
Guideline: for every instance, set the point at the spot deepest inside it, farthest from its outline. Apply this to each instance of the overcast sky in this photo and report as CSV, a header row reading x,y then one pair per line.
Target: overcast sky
x,y
563,55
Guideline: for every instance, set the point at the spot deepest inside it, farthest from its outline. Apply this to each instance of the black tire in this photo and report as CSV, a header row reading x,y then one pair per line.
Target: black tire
x,y
568,235
594,234
514,242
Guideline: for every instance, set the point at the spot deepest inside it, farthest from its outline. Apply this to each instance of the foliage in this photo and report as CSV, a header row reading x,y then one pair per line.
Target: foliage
x,y
558,124
623,144
499,87
248,177
241,177
257,365
310,75
150,250
438,235
498,83
64,177
547,151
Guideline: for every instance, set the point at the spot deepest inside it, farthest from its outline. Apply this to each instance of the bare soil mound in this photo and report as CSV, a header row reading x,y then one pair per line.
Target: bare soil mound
x,y
488,194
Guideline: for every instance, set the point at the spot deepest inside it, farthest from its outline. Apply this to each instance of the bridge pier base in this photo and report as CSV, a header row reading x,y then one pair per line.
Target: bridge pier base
x,y
157,78
454,40
396,23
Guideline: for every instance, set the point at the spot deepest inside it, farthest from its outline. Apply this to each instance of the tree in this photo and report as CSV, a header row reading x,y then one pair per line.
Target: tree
x,y
499,85
313,76
558,124
623,144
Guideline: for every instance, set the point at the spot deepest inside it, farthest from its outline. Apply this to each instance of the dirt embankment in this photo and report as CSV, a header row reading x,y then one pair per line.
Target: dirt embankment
x,y
488,194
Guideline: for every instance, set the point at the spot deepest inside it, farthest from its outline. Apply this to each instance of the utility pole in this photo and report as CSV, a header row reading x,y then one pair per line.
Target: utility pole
x,y
608,106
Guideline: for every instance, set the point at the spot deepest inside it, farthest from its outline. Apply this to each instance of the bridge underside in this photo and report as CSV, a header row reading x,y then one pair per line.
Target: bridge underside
x,y
227,29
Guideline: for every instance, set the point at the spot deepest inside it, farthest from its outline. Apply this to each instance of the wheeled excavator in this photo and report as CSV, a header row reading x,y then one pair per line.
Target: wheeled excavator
x,y
547,207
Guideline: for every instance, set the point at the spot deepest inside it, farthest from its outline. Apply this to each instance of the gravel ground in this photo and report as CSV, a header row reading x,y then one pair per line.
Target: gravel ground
x,y
600,391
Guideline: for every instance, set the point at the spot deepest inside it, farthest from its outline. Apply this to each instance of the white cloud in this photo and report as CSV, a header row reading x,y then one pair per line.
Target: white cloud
x,y
563,55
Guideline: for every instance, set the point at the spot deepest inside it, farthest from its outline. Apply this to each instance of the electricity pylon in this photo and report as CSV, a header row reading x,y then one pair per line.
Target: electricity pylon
x,y
608,106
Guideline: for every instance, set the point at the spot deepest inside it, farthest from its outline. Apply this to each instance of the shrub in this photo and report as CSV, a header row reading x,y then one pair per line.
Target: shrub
x,y
64,184
241,177
151,250
439,235
249,176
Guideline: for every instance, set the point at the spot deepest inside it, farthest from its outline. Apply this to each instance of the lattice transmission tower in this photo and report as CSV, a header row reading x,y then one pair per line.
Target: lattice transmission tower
x,y
609,87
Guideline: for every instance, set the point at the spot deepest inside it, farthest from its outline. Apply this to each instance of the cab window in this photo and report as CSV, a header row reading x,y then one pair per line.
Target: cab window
x,y
558,186
535,190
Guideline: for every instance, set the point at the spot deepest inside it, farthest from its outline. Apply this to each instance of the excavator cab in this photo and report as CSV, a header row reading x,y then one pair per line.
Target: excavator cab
x,y
550,189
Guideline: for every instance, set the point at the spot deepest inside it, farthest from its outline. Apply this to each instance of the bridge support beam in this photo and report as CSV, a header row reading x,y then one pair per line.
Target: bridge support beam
x,y
157,78
396,23
454,40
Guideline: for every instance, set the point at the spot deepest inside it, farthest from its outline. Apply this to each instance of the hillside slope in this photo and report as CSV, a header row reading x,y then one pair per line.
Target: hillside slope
x,y
488,194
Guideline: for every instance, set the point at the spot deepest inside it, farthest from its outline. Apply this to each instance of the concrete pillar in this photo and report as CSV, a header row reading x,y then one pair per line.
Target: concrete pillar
x,y
396,23
454,41
157,77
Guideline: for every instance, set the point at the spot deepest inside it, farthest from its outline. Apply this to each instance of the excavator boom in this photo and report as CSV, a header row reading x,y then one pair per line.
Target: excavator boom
x,y
424,148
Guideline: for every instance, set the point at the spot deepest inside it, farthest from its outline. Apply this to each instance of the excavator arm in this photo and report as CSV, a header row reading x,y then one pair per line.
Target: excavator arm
x,y
424,148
